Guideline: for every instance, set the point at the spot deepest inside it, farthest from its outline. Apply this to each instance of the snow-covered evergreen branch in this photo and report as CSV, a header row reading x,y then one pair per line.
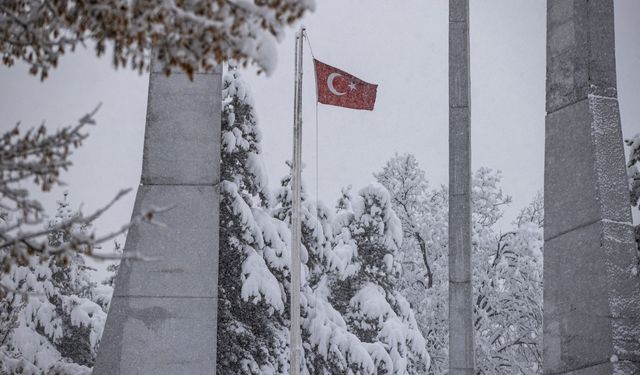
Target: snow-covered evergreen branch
x,y
51,320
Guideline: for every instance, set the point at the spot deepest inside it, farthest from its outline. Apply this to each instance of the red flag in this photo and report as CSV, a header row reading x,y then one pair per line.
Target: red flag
x,y
337,87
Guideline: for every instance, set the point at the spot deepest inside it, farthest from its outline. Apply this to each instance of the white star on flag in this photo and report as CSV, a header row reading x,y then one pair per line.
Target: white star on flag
x,y
352,86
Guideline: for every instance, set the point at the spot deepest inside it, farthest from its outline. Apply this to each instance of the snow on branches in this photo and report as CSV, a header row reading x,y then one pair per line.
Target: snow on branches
x,y
507,268
39,157
341,255
423,254
190,35
368,295
252,332
632,168
50,320
633,173
36,156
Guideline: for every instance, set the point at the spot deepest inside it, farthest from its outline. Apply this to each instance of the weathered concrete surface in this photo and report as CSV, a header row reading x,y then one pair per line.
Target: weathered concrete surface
x,y
163,313
461,332
591,297
159,335
179,145
185,265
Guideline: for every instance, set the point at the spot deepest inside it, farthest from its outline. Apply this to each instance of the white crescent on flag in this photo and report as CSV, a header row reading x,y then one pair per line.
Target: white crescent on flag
x,y
330,79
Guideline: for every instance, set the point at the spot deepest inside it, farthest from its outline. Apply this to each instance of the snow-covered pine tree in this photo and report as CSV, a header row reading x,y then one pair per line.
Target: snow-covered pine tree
x,y
368,237
329,347
70,276
114,267
52,325
316,228
103,292
252,331
253,323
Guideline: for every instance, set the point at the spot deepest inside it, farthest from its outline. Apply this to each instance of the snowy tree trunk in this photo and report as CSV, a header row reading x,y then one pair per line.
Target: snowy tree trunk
x,y
461,348
162,318
591,310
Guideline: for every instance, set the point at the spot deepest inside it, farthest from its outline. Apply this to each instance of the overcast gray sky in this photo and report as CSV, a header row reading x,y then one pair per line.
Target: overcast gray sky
x,y
400,45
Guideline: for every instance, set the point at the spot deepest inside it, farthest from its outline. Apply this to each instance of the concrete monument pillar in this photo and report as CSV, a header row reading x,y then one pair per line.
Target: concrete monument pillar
x,y
163,313
591,297
461,330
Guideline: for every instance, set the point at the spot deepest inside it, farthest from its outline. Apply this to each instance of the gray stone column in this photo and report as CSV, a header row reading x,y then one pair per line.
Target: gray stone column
x,y
163,313
461,329
591,297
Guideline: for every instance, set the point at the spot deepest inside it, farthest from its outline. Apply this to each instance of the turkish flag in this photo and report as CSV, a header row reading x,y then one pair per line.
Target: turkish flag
x,y
337,87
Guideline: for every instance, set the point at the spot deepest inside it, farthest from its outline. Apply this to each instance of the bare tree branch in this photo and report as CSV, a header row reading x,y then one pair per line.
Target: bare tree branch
x,y
188,35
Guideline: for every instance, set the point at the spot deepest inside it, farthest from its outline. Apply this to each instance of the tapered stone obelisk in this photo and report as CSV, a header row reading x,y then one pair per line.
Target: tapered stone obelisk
x,y
163,313
591,297
461,348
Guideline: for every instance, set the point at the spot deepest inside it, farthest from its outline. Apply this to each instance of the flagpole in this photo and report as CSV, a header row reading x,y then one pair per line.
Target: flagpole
x,y
295,345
